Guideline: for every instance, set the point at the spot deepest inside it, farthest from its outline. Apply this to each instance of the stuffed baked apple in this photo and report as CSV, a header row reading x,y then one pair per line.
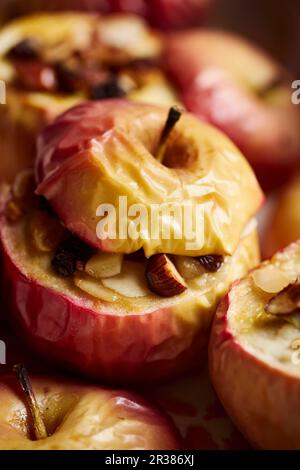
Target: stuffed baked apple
x,y
254,352
214,72
283,225
133,306
51,62
51,413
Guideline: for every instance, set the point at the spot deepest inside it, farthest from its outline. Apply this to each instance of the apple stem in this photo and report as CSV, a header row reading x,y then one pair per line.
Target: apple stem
x,y
38,423
173,117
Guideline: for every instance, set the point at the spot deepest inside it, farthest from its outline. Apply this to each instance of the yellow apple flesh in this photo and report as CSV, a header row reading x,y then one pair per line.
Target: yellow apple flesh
x,y
254,365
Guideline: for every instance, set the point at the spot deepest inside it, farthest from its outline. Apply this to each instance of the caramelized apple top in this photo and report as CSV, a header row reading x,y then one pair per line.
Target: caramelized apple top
x,y
104,153
264,310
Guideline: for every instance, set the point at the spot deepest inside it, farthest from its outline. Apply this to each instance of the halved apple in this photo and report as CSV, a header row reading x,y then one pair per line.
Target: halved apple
x,y
113,328
254,353
82,417
97,155
50,62
283,223
214,74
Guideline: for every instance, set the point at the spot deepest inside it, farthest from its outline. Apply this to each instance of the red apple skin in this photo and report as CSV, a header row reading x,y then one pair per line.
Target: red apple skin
x,y
166,14
145,427
213,87
88,342
260,401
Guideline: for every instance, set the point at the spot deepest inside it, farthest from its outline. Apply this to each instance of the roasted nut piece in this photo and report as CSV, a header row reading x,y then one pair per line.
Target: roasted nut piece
x,y
163,278
285,302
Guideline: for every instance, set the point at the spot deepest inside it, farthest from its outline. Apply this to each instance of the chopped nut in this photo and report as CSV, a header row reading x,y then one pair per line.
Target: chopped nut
x,y
287,301
163,278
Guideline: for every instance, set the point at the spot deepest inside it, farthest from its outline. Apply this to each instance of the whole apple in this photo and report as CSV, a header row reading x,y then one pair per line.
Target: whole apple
x,y
50,62
81,416
254,352
214,72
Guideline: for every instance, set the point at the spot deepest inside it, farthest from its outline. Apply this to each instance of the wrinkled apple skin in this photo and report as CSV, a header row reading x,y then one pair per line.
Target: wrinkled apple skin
x,y
99,152
260,400
82,417
148,347
283,225
214,74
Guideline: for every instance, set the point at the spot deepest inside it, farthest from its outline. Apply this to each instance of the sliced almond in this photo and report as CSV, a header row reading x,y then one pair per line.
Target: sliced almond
x,y
130,282
271,279
163,277
188,266
103,265
95,288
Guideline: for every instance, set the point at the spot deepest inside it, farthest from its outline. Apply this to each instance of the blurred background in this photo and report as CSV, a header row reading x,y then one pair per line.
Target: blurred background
x,y
273,24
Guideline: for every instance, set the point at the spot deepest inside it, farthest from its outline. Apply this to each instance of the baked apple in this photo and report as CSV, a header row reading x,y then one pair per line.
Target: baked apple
x,y
254,352
50,62
104,307
68,415
283,224
214,74
100,154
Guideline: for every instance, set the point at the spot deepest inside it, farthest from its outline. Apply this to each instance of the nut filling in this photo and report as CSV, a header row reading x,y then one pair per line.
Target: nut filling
x,y
97,71
287,301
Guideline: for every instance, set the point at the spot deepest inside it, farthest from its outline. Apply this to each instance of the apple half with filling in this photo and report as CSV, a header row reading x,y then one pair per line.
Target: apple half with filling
x,y
50,62
214,74
254,352
102,306
80,416
283,225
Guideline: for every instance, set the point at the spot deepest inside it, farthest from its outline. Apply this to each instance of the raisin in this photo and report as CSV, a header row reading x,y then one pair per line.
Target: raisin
x,y
211,263
109,89
68,253
27,49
